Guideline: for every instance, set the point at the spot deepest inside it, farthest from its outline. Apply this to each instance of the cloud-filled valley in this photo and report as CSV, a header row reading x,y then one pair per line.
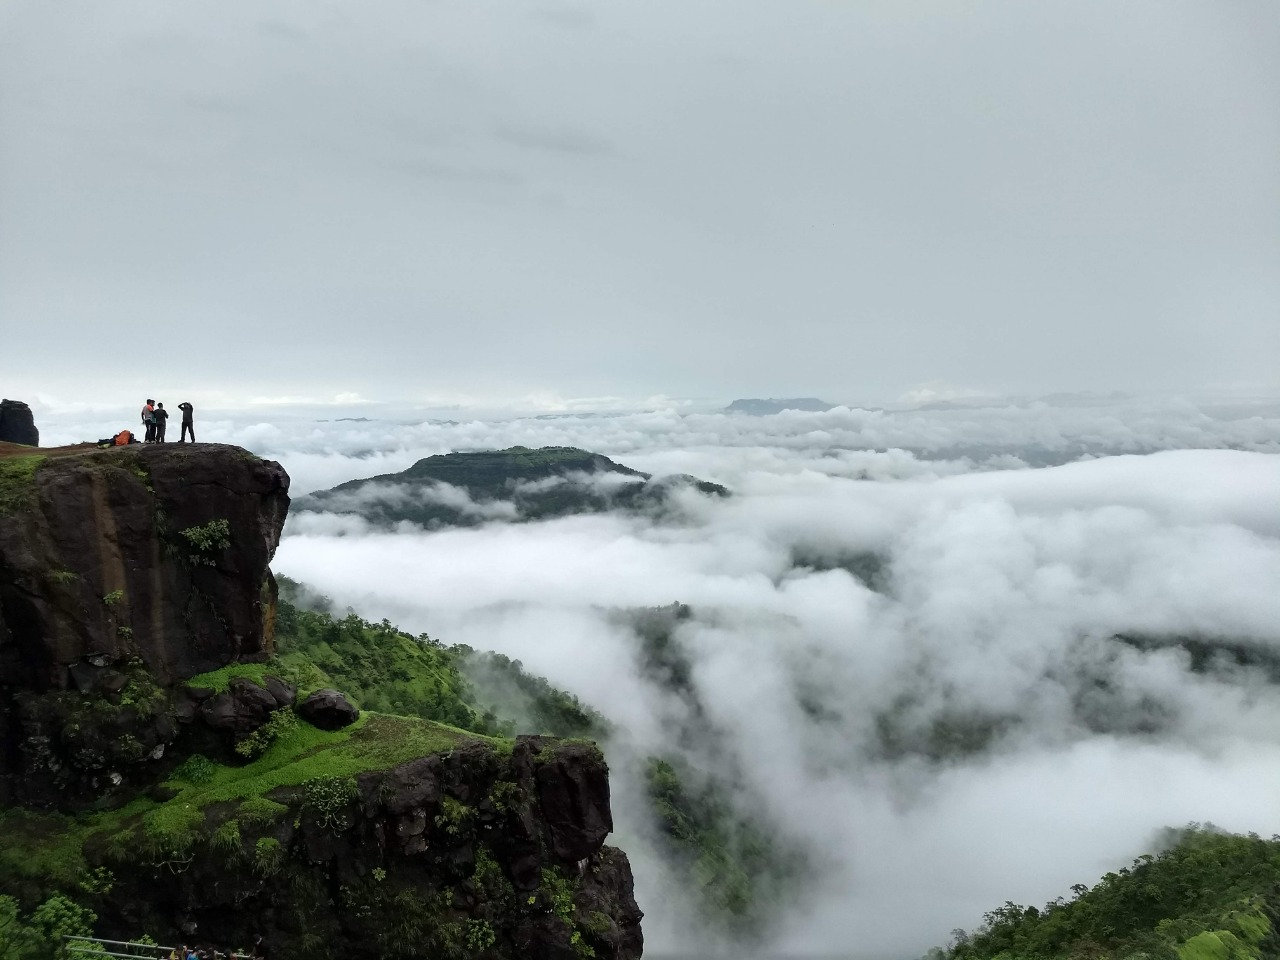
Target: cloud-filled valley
x,y
943,657
942,683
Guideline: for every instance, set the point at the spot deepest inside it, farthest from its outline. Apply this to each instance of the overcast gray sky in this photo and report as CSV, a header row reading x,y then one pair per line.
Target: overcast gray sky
x,y
434,200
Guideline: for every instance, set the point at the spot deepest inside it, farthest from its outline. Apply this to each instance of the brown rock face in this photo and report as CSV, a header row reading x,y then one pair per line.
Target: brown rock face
x,y
155,552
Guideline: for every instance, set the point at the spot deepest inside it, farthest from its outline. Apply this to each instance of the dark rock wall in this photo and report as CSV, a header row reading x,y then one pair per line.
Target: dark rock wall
x,y
17,425
471,853
124,572
96,564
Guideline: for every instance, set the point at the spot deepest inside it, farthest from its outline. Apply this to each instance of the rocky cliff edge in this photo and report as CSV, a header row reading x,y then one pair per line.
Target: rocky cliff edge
x,y
137,693
159,552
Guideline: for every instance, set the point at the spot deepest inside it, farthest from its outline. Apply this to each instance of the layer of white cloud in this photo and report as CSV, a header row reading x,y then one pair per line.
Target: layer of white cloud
x,y
1003,589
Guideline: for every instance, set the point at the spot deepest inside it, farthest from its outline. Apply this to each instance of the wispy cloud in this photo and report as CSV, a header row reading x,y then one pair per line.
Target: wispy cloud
x,y
1007,605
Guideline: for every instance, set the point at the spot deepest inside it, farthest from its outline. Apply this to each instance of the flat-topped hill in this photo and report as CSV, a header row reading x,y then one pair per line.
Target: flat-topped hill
x,y
516,484
757,407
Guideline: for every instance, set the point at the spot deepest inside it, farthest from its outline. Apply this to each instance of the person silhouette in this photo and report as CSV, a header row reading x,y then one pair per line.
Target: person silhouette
x,y
161,416
187,427
149,419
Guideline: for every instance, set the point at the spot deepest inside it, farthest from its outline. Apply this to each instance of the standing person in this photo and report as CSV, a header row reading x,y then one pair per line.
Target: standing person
x,y
149,419
187,410
161,416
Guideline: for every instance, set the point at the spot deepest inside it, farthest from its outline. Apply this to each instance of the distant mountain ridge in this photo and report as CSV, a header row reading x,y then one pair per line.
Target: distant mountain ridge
x,y
514,485
757,407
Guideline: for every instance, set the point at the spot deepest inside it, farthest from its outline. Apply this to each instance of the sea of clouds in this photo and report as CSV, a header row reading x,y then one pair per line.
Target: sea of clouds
x,y
1015,543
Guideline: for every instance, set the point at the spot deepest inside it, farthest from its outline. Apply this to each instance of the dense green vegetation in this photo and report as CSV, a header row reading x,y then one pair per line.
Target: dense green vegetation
x,y
515,484
741,874
1208,896
38,934
380,667
492,472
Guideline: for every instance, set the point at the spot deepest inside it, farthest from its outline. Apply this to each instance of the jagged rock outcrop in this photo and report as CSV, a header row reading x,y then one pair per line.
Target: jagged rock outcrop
x,y
158,552
453,855
17,425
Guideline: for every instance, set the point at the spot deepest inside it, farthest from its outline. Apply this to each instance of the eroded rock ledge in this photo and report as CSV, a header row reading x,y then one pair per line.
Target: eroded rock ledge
x,y
158,552
473,852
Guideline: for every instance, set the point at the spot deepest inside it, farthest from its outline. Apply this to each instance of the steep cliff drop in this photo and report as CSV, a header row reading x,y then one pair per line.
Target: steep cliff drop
x,y
138,694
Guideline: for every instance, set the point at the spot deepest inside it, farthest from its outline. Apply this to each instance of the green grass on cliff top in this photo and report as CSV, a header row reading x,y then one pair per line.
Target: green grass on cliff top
x,y
219,680
17,481
44,852
374,742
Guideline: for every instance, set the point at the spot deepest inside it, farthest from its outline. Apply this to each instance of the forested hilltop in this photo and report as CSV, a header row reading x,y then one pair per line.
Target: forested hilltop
x,y
516,484
1208,896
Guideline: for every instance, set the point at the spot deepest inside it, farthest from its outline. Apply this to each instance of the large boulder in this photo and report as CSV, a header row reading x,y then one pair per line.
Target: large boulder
x,y
245,706
17,425
328,709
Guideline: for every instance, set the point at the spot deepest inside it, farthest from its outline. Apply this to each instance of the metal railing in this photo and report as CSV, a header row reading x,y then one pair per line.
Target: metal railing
x,y
132,950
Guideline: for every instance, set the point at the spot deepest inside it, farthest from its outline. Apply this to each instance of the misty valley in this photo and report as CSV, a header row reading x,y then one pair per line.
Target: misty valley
x,y
831,682
687,479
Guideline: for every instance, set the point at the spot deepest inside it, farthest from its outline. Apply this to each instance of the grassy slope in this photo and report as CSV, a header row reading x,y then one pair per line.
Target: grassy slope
x,y
383,668
42,854
17,480
1209,896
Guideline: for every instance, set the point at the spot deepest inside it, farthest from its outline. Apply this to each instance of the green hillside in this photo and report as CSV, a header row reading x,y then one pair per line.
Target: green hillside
x,y
740,872
1208,896
380,667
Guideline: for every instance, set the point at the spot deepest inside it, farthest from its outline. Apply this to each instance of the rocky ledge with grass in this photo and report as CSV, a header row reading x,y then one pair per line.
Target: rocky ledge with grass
x,y
155,777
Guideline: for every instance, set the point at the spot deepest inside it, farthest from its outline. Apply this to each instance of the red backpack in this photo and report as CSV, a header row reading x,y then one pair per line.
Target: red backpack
x,y
123,438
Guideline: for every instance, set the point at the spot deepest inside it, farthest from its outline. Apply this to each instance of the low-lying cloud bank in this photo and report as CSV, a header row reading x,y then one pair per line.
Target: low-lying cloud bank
x,y
1006,713
320,452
